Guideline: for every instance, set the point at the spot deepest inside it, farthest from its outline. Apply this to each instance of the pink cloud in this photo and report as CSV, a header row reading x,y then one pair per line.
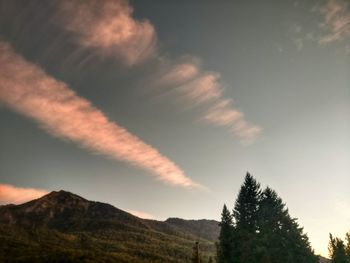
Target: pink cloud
x,y
195,87
15,195
337,21
203,88
109,28
223,114
26,88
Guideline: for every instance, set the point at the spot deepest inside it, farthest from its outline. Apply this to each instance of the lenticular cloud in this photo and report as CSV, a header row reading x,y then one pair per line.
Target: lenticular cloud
x,y
28,90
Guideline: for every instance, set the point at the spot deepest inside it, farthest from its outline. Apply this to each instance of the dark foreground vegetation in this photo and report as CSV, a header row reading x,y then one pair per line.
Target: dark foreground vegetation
x,y
64,227
260,230
339,250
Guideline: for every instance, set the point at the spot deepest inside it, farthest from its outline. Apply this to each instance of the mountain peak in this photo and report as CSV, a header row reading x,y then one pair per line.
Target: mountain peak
x,y
63,210
61,195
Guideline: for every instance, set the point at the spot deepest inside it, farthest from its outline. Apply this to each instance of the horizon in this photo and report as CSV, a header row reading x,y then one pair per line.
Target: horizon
x,y
161,108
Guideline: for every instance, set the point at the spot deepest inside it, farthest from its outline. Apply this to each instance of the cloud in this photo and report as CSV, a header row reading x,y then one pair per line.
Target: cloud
x,y
15,195
109,28
336,15
224,114
141,214
190,82
199,88
27,89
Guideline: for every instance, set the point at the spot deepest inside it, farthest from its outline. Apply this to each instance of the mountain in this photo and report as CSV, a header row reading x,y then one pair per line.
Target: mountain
x,y
206,229
64,227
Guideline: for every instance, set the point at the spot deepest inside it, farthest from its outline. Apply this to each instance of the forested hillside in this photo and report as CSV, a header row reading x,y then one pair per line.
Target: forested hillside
x,y
63,227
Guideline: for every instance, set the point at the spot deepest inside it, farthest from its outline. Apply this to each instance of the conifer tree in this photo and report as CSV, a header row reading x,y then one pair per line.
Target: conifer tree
x,y
196,255
280,237
224,247
246,207
262,231
246,218
272,213
337,251
347,247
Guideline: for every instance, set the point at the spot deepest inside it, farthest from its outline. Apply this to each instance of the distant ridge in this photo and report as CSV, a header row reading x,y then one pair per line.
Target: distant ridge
x,y
62,225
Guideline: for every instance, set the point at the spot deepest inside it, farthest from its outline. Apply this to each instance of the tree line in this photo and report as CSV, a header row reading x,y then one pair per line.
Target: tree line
x,y
339,251
260,230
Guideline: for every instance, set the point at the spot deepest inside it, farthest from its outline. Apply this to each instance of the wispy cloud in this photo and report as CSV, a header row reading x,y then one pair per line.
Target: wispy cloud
x,y
336,14
109,28
197,87
15,195
27,89
141,214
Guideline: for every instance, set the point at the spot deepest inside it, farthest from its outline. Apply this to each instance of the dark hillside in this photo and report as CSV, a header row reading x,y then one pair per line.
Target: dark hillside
x,y
64,227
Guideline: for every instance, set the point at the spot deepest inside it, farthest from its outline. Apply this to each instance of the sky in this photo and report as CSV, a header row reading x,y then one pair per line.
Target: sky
x,y
161,107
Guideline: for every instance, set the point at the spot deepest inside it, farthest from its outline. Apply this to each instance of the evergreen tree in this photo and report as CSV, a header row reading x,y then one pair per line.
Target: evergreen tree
x,y
210,260
246,207
280,237
196,255
224,247
337,250
347,247
272,213
262,231
245,214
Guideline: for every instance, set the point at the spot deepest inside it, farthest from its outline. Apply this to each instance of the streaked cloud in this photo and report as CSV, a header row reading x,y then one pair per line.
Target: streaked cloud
x,y
197,87
26,88
141,214
109,28
10,194
223,113
336,14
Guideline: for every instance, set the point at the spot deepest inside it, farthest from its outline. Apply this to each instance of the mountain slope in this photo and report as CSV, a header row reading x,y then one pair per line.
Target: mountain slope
x,y
206,229
64,227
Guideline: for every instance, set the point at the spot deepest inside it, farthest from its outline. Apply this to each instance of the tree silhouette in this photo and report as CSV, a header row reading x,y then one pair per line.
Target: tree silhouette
x,y
246,221
337,250
196,255
261,230
224,249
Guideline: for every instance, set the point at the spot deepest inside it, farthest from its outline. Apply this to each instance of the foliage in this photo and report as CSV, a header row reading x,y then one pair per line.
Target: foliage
x,y
262,230
196,257
224,246
338,250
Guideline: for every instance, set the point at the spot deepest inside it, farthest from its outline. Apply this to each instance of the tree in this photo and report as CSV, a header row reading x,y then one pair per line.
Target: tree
x,y
224,247
196,255
210,260
271,215
347,247
280,236
245,215
337,250
246,207
262,231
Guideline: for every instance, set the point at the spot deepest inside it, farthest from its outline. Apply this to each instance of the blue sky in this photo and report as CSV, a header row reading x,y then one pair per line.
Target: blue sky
x,y
161,107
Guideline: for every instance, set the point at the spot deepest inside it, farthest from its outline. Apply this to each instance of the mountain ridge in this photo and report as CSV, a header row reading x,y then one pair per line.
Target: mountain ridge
x,y
69,227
